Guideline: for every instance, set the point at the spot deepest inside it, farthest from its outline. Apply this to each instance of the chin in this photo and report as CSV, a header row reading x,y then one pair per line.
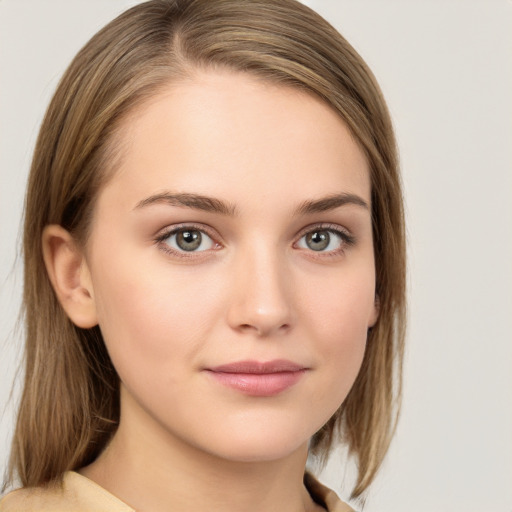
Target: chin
x,y
258,444
263,451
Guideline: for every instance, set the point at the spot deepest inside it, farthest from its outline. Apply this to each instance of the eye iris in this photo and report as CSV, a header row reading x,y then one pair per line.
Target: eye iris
x,y
318,240
188,240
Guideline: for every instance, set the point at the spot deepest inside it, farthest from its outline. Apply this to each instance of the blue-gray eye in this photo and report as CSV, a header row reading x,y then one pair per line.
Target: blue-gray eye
x,y
189,240
321,240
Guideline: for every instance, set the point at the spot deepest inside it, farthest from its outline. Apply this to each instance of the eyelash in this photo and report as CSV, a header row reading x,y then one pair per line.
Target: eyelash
x,y
347,239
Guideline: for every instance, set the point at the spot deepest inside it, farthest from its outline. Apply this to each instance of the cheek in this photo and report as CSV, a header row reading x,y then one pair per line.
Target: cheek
x,y
151,319
342,310
343,302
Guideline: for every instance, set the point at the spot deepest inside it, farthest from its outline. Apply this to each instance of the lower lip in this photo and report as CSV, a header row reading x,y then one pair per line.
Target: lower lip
x,y
258,384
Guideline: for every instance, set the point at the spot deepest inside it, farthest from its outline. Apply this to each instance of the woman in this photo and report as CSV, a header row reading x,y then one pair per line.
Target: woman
x,y
214,266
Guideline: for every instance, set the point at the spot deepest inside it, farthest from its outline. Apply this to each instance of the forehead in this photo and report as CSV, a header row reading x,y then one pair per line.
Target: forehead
x,y
232,135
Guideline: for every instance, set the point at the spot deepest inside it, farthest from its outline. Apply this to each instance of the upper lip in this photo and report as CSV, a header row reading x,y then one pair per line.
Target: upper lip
x,y
258,367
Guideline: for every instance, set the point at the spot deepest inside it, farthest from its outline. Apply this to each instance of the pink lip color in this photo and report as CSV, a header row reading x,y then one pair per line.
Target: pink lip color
x,y
258,379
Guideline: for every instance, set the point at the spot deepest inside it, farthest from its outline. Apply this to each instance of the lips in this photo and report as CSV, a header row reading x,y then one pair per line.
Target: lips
x,y
256,378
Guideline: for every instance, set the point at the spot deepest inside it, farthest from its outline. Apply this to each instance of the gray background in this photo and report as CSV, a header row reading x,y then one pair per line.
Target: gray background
x,y
446,71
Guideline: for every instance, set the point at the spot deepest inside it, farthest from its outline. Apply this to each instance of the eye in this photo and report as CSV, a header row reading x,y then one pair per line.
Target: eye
x,y
187,240
324,240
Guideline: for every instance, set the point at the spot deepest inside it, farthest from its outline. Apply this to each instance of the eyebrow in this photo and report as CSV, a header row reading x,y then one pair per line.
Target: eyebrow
x,y
196,201
213,205
330,203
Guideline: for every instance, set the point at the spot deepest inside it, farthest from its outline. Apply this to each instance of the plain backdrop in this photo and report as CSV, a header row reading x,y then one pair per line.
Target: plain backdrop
x,y
446,70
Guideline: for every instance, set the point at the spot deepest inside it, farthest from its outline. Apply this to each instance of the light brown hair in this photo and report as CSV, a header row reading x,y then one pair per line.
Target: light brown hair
x,y
70,403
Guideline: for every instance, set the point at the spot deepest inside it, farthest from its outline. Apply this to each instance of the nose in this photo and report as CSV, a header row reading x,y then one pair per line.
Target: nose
x,y
262,298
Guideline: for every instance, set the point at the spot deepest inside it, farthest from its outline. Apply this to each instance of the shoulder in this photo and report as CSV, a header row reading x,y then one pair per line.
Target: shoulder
x,y
325,496
76,493
79,494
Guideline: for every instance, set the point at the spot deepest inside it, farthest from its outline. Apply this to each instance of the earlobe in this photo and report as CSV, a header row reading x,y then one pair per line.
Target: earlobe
x,y
69,275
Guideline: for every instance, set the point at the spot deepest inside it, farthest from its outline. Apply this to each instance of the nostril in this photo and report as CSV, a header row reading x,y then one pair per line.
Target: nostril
x,y
264,330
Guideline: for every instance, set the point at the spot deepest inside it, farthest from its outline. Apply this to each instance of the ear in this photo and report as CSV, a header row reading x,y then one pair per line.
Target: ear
x,y
69,275
374,316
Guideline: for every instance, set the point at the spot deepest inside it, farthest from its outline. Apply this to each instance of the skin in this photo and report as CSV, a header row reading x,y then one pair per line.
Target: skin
x,y
255,290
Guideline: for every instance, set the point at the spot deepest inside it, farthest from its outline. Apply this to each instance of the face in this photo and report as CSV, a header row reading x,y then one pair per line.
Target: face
x,y
231,266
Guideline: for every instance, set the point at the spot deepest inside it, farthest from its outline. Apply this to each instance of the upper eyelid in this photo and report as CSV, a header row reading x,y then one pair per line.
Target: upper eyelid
x,y
174,228
327,226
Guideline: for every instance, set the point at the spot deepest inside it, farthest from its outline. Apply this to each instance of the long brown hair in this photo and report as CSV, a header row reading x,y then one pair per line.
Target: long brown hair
x,y
70,403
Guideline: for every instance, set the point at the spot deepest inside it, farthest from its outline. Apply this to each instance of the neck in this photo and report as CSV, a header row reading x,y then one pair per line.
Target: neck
x,y
151,470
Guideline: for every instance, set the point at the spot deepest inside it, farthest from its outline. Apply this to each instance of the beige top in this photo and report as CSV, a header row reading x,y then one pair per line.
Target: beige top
x,y
80,494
